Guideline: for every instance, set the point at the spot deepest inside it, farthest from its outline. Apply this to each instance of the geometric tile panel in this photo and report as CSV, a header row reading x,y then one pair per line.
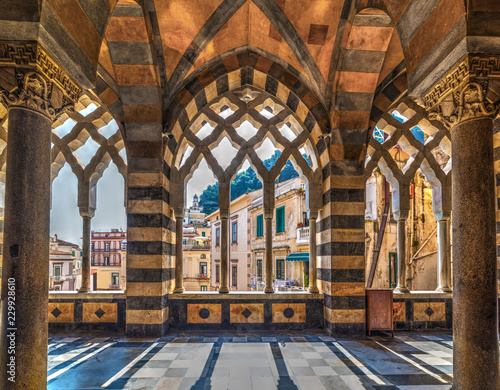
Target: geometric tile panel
x,y
61,312
399,311
429,311
246,313
289,312
204,313
99,312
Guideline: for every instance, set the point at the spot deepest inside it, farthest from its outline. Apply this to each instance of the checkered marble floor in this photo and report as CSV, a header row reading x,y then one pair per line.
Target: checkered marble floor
x,y
409,361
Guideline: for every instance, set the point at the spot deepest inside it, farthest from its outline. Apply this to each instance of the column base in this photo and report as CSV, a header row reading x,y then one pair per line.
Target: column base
x,y
444,289
401,290
313,290
269,290
224,290
83,290
179,290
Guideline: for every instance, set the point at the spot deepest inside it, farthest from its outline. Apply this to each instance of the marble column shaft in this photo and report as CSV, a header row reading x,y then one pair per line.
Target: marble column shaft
x,y
224,254
179,255
268,237
86,233
313,285
444,258
475,300
25,274
401,279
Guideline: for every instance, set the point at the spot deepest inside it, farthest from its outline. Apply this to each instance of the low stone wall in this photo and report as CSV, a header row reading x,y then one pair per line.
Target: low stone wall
x,y
245,311
422,310
87,311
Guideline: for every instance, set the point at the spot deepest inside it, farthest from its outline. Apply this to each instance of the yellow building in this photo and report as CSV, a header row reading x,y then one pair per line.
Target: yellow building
x,y
196,258
290,236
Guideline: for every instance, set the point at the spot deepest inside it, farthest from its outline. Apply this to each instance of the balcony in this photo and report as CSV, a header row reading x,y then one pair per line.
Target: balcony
x,y
106,251
61,278
115,287
303,235
194,247
197,276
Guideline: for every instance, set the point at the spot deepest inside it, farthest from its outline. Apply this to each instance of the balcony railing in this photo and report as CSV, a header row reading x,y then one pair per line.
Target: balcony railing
x,y
194,247
60,278
201,276
100,250
303,235
115,287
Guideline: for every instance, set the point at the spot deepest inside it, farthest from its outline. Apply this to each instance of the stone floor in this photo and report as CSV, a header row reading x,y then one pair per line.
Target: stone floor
x,y
311,361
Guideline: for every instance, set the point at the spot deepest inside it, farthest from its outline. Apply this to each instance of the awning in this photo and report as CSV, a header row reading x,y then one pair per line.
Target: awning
x,y
302,256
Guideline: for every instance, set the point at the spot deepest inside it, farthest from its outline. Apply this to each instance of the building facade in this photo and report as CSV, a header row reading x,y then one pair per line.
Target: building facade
x,y
108,263
65,259
290,231
238,245
195,213
196,258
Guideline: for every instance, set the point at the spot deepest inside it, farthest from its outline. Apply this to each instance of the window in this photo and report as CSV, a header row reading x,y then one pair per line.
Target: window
x,y
203,234
92,260
92,246
217,273
234,276
57,272
393,266
57,288
203,288
203,256
115,278
259,268
304,218
280,269
81,253
217,236
235,232
260,225
203,268
280,219
106,260
106,247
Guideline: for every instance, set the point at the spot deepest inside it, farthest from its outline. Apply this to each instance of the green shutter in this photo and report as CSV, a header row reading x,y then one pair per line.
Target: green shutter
x,y
280,219
260,225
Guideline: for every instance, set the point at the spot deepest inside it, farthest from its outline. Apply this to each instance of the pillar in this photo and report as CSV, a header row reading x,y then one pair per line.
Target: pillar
x,y
268,237
313,285
224,253
444,258
25,274
401,217
86,254
475,312
179,256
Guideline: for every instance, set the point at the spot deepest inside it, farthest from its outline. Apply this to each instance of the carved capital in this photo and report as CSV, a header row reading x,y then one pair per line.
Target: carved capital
x,y
33,80
469,91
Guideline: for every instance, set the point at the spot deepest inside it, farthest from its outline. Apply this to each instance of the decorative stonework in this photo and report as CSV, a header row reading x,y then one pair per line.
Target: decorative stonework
x,y
467,102
42,84
463,93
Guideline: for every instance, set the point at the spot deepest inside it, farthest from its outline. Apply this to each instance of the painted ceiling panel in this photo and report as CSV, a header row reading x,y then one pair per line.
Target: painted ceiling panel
x,y
316,22
179,22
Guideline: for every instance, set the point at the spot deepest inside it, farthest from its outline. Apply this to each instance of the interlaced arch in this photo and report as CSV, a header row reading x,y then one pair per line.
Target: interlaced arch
x,y
245,105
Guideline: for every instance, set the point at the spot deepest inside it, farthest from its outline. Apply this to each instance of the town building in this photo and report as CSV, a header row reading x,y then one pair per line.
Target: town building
x,y
194,214
238,245
65,260
290,236
196,252
108,262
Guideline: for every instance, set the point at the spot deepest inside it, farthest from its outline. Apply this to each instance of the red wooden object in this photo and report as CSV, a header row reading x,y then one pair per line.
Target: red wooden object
x,y
379,309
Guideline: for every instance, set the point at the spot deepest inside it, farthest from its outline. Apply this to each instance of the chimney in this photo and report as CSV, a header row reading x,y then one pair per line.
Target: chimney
x,y
55,237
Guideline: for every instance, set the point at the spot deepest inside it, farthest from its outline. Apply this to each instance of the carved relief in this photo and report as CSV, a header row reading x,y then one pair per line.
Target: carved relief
x,y
466,103
462,94
41,83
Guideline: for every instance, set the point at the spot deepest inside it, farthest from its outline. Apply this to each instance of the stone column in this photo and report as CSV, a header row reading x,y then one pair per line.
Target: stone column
x,y
313,285
268,237
224,254
87,215
469,115
401,216
179,255
444,259
25,274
